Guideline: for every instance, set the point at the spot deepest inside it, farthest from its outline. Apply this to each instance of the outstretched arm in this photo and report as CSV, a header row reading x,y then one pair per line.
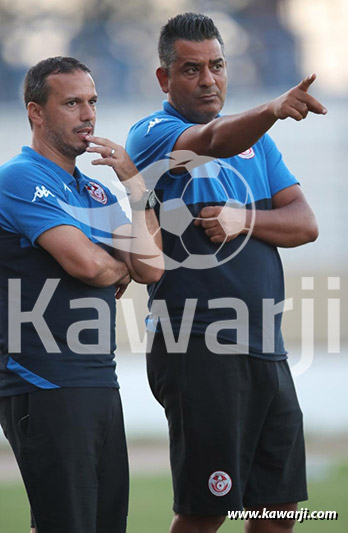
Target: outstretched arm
x,y
232,134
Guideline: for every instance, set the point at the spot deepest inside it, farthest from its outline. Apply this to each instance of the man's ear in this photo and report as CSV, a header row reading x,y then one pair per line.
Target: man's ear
x,y
35,114
163,78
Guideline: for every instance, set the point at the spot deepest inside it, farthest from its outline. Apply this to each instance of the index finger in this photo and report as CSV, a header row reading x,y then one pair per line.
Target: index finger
x,y
314,106
99,140
307,82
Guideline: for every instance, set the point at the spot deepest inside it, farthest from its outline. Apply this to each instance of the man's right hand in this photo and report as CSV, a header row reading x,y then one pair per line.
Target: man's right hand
x,y
297,102
230,135
121,286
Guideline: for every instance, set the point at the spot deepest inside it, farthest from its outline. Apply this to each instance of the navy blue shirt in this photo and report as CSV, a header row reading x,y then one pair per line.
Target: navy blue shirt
x,y
67,337
246,271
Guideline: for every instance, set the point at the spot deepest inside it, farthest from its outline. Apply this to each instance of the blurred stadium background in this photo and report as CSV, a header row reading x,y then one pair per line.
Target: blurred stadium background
x,y
270,46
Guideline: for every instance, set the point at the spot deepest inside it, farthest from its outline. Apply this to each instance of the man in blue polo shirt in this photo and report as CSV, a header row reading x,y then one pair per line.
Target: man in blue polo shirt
x,y
217,361
67,248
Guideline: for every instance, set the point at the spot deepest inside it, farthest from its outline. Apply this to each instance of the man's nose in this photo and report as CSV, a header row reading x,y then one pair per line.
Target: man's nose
x,y
87,112
206,78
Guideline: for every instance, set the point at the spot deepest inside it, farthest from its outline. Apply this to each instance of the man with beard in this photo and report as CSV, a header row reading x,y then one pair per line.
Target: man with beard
x,y
236,437
61,265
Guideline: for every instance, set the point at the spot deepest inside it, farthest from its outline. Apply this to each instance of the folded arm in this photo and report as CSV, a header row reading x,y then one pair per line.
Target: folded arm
x,y
83,259
290,223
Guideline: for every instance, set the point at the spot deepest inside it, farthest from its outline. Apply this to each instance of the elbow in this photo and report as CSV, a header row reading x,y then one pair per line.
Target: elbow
x,y
308,226
156,275
314,234
312,231
308,234
150,274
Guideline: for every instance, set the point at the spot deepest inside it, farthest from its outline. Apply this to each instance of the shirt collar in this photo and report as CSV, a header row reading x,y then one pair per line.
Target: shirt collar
x,y
168,108
63,174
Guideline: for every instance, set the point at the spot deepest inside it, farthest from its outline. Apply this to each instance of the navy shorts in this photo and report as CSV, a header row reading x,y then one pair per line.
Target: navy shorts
x,y
71,450
235,427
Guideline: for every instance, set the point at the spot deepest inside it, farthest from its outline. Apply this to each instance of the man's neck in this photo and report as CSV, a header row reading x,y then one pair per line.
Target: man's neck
x,y
50,153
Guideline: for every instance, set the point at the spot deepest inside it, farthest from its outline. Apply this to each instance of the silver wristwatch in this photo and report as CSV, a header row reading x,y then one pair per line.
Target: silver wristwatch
x,y
146,202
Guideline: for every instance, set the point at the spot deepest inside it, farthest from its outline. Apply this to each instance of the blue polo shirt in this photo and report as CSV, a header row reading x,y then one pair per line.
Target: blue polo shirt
x,y
246,279
55,330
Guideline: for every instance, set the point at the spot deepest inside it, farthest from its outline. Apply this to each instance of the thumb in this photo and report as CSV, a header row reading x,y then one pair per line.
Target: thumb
x,y
307,82
209,212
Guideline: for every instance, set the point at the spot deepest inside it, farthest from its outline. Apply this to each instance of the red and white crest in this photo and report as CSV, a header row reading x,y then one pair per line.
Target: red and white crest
x,y
220,483
247,154
97,192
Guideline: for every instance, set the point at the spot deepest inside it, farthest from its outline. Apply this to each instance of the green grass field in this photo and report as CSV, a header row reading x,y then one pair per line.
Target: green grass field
x,y
150,505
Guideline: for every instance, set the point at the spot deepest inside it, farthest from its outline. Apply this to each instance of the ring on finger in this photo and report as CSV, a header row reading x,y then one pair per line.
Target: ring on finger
x,y
112,152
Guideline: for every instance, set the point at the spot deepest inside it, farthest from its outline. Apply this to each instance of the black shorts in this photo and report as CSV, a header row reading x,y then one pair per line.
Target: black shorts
x,y
235,427
71,450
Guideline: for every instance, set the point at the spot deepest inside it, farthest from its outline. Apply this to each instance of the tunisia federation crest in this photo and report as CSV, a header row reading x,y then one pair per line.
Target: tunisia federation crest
x,y
247,154
97,192
220,483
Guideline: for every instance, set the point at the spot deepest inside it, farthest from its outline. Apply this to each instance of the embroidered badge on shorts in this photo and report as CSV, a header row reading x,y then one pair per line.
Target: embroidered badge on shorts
x,y
220,483
97,192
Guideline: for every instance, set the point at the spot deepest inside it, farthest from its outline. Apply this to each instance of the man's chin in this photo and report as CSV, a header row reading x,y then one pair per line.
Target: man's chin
x,y
203,116
205,112
79,150
74,151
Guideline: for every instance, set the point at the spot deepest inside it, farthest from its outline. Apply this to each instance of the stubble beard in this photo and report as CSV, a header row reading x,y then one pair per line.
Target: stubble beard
x,y
56,139
198,116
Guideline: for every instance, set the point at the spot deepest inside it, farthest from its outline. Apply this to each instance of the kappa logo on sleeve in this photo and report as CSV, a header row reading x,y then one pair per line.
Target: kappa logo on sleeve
x,y
247,154
41,192
153,123
97,192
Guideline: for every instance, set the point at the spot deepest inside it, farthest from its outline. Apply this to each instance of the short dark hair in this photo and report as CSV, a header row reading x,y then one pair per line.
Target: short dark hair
x,y
189,27
36,88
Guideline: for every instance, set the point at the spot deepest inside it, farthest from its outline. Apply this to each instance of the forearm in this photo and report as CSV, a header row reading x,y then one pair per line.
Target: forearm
x,y
288,226
140,240
146,260
104,270
81,258
230,135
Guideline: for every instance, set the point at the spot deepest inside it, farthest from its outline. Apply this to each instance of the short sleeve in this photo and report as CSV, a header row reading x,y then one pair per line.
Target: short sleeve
x,y
29,202
279,176
154,138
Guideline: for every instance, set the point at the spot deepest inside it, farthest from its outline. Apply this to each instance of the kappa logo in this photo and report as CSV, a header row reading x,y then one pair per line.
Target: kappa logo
x,y
247,154
42,192
153,123
97,192
220,483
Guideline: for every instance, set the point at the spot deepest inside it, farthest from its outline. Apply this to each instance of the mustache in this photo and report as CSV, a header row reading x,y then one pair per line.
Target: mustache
x,y
87,124
209,92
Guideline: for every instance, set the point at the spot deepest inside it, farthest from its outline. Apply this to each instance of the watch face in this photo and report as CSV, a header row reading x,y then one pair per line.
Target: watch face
x,y
151,200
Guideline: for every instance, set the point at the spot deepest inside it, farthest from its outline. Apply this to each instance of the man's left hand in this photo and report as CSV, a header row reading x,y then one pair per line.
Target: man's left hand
x,y
222,223
113,155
